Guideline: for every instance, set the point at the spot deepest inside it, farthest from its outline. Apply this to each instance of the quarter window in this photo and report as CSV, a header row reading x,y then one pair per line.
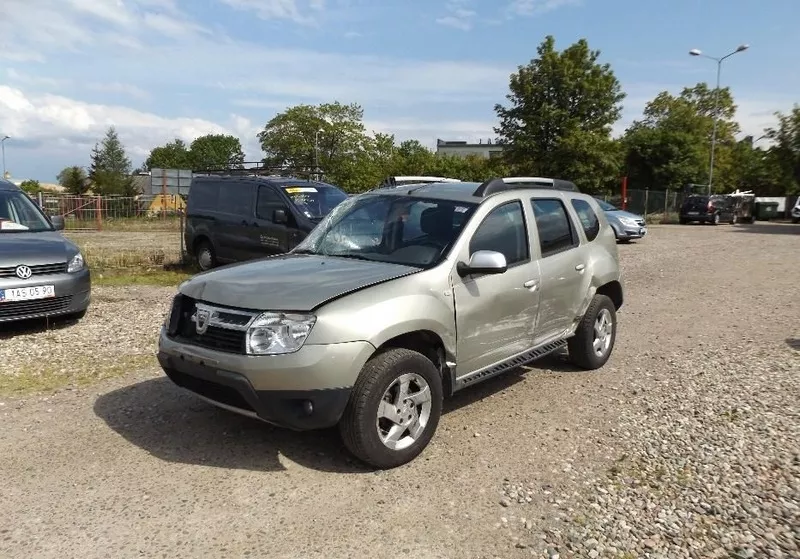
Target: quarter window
x,y
556,232
589,219
503,230
236,199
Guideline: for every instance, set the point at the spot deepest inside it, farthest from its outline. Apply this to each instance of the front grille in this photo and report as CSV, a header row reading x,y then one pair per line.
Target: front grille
x,y
181,328
32,308
39,270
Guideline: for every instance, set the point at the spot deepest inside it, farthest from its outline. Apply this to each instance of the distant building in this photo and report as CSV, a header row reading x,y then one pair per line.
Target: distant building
x,y
461,148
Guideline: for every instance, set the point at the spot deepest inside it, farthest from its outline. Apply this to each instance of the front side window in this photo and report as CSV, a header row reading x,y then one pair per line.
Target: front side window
x,y
589,219
315,202
556,233
384,228
18,213
503,230
268,201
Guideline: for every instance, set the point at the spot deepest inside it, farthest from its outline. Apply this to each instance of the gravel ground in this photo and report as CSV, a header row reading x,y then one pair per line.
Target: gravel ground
x,y
684,445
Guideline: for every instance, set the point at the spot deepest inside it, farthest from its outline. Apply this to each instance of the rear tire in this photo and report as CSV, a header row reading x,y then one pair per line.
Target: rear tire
x,y
715,219
366,428
593,342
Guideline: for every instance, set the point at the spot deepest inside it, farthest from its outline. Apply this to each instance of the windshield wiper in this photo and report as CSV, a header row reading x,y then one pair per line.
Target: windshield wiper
x,y
351,255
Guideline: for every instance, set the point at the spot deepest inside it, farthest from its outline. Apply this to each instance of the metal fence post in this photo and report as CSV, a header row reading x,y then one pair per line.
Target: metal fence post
x,y
99,212
646,196
666,204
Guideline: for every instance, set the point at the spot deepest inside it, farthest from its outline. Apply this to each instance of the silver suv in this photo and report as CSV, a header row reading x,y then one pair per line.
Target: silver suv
x,y
398,298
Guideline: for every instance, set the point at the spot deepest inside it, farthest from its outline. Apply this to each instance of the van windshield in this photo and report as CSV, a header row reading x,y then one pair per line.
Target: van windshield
x,y
314,201
19,214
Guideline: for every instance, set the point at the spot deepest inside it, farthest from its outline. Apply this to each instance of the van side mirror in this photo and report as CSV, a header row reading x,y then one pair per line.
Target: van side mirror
x,y
279,216
58,222
483,262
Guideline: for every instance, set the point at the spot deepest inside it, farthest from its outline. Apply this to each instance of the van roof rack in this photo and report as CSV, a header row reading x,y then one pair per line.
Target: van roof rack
x,y
495,185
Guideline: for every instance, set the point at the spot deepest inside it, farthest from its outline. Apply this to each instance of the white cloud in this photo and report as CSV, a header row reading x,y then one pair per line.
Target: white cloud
x,y
537,7
460,15
303,12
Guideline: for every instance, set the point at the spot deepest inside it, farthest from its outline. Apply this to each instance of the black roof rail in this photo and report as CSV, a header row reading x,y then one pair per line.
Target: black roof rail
x,y
495,185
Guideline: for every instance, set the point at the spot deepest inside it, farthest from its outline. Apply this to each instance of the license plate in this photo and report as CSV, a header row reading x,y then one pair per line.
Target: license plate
x,y
692,213
27,293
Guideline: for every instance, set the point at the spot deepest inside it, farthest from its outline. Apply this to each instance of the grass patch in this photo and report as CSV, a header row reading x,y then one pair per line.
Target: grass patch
x,y
163,278
132,224
45,377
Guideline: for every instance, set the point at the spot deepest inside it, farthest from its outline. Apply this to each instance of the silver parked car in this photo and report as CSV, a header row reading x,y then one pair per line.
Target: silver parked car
x,y
398,298
42,274
626,225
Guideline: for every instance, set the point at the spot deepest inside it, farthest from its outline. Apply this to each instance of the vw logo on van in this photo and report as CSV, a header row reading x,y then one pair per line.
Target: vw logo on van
x,y
23,272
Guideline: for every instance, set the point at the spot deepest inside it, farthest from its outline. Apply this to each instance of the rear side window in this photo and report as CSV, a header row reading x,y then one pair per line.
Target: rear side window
x,y
556,231
503,230
236,198
203,196
589,220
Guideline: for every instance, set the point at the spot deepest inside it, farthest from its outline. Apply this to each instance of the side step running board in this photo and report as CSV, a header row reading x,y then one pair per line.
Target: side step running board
x,y
513,363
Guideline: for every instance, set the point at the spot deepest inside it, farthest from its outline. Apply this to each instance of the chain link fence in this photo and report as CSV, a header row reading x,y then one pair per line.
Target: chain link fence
x,y
116,213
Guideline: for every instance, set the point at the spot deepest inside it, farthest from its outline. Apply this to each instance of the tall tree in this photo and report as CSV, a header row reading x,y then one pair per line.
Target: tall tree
x,y
215,151
110,171
670,146
558,121
74,180
172,155
330,135
786,150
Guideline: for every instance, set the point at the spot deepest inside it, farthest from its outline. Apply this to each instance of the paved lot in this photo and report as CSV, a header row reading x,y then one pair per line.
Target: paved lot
x,y
685,445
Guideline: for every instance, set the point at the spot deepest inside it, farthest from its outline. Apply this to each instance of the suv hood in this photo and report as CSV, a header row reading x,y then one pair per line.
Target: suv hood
x,y
31,249
289,282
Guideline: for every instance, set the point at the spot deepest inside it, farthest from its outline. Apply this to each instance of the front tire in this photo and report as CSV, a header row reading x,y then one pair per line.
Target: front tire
x,y
593,342
205,256
394,408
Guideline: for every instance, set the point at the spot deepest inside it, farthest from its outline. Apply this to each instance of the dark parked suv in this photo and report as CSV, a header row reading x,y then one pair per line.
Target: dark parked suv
x,y
712,209
231,219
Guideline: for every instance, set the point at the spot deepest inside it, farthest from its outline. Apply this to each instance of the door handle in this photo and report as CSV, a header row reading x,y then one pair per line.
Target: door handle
x,y
531,284
580,267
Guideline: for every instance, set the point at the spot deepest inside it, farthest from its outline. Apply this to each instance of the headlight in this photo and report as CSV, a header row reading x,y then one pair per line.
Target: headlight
x,y
277,333
76,264
630,222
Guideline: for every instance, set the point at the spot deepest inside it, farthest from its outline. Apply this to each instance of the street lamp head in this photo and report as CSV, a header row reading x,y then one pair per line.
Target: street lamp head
x,y
695,52
6,138
742,47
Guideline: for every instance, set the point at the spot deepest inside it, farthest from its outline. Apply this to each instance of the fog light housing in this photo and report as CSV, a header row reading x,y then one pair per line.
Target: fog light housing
x,y
308,407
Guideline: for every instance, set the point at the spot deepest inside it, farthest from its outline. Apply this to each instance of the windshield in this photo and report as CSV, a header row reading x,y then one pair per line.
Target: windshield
x,y
605,205
19,213
315,202
383,228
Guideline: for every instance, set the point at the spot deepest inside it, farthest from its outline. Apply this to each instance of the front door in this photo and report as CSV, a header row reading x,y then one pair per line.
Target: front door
x,y
495,313
563,268
266,236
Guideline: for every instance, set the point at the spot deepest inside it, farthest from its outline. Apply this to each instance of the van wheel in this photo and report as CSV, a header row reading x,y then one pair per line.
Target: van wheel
x,y
593,342
205,256
394,408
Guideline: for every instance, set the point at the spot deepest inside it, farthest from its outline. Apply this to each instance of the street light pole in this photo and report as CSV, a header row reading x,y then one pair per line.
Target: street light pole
x,y
697,52
3,144
316,153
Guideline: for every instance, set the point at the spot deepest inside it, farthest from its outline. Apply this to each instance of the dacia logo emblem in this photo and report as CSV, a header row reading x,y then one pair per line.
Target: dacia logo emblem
x,y
23,272
202,317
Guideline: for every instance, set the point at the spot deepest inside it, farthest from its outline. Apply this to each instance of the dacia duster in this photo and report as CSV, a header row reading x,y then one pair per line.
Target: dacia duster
x,y
397,299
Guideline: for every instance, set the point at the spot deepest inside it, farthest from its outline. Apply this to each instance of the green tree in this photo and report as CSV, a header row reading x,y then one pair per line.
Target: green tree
x,y
215,151
110,170
330,136
786,151
31,186
670,146
74,180
172,155
561,109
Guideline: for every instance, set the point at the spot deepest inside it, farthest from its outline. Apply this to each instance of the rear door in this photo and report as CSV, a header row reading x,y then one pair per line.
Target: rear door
x,y
695,206
563,259
233,219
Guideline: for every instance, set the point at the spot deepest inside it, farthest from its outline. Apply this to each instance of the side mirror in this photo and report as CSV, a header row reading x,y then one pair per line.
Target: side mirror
x,y
483,262
58,222
279,216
